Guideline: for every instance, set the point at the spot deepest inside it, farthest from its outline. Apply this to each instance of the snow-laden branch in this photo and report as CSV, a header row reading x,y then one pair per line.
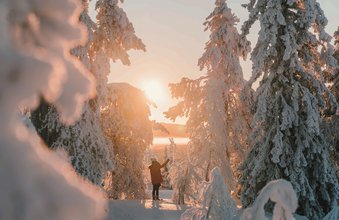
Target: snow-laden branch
x,y
279,191
36,39
333,214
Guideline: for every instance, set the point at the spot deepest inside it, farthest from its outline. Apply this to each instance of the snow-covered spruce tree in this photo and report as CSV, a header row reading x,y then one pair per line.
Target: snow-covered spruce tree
x,y
127,126
286,140
113,38
89,152
334,139
330,125
217,119
36,37
180,175
217,201
227,116
335,86
195,166
169,154
178,171
335,81
109,39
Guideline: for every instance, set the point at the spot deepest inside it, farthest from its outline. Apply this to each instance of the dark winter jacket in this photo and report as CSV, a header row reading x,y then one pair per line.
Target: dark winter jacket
x,y
155,171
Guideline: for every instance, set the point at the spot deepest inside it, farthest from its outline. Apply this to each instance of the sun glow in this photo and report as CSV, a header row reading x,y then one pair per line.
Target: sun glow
x,y
153,90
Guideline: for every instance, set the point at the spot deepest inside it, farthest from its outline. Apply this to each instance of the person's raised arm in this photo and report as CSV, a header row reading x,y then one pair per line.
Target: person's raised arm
x,y
164,164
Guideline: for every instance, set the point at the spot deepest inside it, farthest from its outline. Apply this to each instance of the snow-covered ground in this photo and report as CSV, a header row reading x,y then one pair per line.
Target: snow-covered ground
x,y
149,210
152,210
146,209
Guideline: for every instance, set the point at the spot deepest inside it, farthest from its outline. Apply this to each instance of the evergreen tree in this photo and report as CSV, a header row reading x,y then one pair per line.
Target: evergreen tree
x,y
126,124
286,140
108,39
228,120
178,173
335,86
168,155
330,125
84,141
217,119
217,202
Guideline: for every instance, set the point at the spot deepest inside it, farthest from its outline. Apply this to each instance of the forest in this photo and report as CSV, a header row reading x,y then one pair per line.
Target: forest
x,y
73,142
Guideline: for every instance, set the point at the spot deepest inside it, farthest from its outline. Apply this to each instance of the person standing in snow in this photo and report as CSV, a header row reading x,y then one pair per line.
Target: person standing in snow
x,y
156,177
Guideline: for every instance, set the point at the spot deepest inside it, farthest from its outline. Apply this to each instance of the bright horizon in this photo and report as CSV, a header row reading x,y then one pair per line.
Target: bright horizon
x,y
173,33
165,141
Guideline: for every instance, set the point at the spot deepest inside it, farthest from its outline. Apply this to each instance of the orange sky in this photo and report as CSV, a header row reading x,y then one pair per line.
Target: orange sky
x,y
173,33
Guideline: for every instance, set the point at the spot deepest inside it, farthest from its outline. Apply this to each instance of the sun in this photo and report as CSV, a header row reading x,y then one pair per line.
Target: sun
x,y
154,90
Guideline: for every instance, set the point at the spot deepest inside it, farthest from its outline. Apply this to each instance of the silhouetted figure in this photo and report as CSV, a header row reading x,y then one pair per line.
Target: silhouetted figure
x,y
156,177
